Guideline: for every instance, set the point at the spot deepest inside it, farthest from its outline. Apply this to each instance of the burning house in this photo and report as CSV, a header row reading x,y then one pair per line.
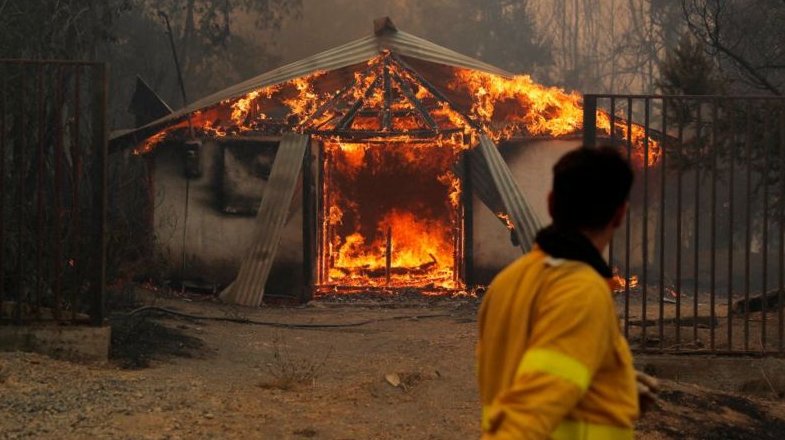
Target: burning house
x,y
387,163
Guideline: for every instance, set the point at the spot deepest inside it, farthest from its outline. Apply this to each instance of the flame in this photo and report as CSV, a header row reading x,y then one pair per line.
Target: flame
x,y
150,143
636,136
619,284
420,240
505,106
416,245
506,219
499,106
526,105
242,108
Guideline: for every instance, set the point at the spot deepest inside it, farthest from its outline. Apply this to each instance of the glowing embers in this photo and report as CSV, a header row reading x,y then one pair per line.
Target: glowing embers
x,y
620,284
391,217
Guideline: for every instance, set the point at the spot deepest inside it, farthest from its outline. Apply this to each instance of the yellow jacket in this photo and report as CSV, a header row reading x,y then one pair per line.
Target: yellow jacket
x,y
552,362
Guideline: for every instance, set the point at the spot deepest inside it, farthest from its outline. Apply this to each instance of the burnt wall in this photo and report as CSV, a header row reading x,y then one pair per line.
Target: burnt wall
x,y
219,225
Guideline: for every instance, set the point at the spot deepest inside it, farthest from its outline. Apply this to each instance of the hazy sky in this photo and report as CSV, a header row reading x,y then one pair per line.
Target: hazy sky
x,y
329,23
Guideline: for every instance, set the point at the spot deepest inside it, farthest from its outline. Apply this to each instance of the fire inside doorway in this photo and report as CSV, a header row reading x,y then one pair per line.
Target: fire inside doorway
x,y
391,216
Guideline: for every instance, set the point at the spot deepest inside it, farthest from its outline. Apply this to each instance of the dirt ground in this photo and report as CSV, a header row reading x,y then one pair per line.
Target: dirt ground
x,y
179,378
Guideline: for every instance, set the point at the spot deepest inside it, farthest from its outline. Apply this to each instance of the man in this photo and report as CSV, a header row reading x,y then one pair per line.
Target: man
x,y
552,362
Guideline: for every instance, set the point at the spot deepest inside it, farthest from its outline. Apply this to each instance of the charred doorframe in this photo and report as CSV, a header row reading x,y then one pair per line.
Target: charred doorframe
x,y
467,195
311,218
315,231
724,158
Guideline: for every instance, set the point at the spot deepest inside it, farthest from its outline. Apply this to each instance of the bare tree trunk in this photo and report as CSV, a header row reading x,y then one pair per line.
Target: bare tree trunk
x,y
576,34
613,55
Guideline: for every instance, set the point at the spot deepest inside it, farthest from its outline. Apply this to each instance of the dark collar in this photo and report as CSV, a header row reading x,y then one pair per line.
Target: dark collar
x,y
572,245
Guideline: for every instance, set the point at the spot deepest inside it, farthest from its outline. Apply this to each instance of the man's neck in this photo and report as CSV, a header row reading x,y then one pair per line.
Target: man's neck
x,y
599,238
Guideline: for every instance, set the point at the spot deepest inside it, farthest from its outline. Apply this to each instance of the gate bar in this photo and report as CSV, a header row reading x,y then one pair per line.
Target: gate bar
x,y
3,90
100,142
40,191
645,243
713,226
57,235
627,232
781,268
590,121
731,196
696,230
613,142
663,169
748,234
765,253
679,220
76,171
20,163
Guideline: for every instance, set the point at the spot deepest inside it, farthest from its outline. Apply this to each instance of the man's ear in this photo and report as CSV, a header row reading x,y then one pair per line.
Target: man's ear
x,y
618,216
550,204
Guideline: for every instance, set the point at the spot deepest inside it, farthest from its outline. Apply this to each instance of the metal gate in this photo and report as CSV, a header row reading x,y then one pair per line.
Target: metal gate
x,y
53,138
704,239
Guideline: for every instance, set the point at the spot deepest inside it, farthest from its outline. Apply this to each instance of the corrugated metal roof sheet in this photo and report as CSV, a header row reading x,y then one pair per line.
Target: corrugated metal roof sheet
x,y
496,174
248,288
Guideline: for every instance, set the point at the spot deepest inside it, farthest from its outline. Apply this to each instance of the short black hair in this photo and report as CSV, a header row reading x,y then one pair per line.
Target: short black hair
x,y
589,185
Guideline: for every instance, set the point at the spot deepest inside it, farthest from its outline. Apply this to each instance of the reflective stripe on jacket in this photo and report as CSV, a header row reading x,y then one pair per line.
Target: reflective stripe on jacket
x,y
551,360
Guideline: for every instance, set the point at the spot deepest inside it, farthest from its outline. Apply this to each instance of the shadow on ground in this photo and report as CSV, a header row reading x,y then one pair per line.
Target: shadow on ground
x,y
136,340
692,413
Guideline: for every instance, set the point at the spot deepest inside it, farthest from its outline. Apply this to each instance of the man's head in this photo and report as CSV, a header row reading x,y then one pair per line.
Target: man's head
x,y
590,189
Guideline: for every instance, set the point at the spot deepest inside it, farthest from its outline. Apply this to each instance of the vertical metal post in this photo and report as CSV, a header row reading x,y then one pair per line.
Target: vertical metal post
x,y
39,197
589,121
613,142
767,138
627,231
781,265
309,225
57,236
645,224
19,165
76,178
663,170
679,239
696,226
748,233
713,227
731,197
613,121
100,139
3,90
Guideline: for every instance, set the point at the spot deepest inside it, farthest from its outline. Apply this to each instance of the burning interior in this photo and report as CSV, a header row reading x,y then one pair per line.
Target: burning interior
x,y
374,233
392,117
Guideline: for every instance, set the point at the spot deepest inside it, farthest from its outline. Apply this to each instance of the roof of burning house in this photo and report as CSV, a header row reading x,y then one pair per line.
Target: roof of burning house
x,y
389,85
385,39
